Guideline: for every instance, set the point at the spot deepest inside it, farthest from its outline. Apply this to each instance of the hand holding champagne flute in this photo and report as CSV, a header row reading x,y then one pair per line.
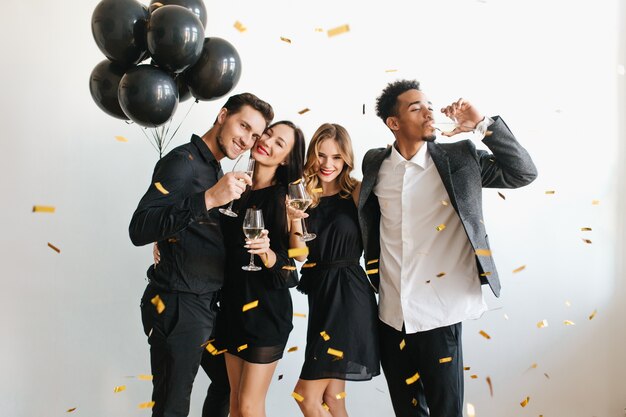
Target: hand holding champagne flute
x,y
228,211
299,199
253,229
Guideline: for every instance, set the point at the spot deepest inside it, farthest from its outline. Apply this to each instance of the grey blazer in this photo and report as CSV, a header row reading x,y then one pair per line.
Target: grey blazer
x,y
464,170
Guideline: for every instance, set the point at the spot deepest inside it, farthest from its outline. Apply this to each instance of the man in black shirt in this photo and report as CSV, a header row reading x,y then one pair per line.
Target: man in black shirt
x,y
178,211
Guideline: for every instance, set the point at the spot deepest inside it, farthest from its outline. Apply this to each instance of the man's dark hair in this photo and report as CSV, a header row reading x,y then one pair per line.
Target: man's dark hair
x,y
236,102
387,102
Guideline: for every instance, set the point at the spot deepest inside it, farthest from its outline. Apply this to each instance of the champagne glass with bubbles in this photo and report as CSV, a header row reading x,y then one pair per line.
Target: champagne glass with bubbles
x,y
253,229
299,199
228,211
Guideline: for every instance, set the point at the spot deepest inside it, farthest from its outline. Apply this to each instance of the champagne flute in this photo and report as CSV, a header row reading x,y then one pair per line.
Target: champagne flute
x,y
299,199
253,229
250,170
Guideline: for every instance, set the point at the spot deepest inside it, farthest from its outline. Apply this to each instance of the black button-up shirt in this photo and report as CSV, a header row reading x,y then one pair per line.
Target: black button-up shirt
x,y
173,213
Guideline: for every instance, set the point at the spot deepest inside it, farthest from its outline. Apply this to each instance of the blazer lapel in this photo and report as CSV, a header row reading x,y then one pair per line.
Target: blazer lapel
x,y
370,174
442,163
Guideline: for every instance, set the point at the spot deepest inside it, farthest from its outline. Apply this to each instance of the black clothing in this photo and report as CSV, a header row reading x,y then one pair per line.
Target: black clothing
x,y
217,401
341,300
189,237
265,328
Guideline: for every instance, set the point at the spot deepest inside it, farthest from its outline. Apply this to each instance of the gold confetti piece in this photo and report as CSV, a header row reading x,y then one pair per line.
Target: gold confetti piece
x,y
292,349
341,395
520,269
240,27
444,202
250,305
483,252
242,347
149,404
488,133
326,407
335,352
299,315
289,268
161,188
391,70
466,368
484,334
295,252
525,402
471,412
441,274
501,195
121,139
211,349
318,190
158,303
297,396
595,202
587,241
298,181
119,388
373,261
593,314
550,192
488,379
533,366
569,323
567,303
440,227
305,110
485,274
585,229
445,360
542,324
474,376
371,271
71,410
414,378
44,209
220,352
414,402
144,377
309,265
402,344
287,40
54,248
338,30
325,335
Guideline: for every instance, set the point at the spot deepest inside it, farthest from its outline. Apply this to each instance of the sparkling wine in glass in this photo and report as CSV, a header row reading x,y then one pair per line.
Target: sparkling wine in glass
x,y
253,229
249,170
299,199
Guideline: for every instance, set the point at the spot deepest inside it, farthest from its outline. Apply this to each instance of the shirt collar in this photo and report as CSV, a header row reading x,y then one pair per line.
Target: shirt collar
x,y
421,158
204,150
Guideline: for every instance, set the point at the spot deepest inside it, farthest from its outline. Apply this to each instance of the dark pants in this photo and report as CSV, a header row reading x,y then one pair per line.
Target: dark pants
x,y
176,338
440,385
217,401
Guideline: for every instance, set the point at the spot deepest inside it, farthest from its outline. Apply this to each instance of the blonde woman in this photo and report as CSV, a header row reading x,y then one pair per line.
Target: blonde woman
x,y
342,330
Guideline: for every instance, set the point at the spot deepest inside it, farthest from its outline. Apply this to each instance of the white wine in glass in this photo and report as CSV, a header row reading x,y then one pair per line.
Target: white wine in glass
x,y
228,211
253,229
299,199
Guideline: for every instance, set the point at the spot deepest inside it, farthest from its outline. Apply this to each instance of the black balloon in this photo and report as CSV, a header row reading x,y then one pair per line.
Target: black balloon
x,y
196,6
175,36
217,71
148,95
103,83
183,90
119,29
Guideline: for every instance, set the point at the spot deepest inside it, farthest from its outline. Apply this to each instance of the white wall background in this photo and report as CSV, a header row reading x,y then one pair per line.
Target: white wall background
x,y
70,321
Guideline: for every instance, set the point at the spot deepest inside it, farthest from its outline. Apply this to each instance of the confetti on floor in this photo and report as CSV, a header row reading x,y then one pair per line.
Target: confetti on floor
x,y
44,209
250,305
54,248
338,30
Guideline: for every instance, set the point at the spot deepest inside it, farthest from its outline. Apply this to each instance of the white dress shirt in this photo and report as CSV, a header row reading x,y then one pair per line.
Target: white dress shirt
x,y
414,204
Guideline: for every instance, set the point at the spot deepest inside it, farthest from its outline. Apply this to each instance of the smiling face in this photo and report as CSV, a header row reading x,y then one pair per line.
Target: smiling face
x,y
273,147
414,119
238,131
329,160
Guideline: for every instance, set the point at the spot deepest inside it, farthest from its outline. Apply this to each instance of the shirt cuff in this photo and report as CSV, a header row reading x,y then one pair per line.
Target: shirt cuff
x,y
481,127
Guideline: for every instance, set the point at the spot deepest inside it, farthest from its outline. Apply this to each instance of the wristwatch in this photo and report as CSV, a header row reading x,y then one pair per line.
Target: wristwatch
x,y
481,127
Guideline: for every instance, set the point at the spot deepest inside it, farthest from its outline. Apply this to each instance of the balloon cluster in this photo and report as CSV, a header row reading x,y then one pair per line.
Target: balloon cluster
x,y
183,62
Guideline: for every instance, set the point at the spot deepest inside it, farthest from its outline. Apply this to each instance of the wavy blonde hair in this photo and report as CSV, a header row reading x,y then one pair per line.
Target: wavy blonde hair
x,y
311,167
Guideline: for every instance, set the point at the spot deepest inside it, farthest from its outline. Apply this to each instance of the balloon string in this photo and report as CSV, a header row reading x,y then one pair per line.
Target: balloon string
x,y
181,123
143,130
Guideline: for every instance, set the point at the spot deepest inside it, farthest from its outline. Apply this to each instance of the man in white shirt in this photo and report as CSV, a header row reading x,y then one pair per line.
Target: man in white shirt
x,y
420,211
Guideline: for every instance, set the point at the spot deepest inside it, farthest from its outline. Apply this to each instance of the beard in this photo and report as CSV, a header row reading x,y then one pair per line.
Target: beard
x,y
430,138
220,142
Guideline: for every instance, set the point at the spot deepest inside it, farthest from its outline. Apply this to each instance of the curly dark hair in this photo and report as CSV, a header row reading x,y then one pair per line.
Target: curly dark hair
x,y
386,103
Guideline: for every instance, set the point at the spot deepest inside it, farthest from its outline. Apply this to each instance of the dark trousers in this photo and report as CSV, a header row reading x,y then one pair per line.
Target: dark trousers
x,y
217,401
439,388
176,338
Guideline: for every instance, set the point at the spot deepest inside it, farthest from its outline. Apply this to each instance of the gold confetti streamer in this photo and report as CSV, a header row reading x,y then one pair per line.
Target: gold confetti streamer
x,y
145,377
211,349
391,70
533,366
326,407
297,396
119,388
595,202
240,27
295,252
335,352
71,410
54,248
485,274
305,110
402,344
298,181
520,269
318,190
414,378
289,268
149,404
471,411
287,40
488,379
414,402
373,261
242,347
440,227
445,360
292,349
542,324
250,305
325,335
441,274
466,368
484,334
585,229
444,202
158,303
309,265
371,271
587,241
341,395
338,30
569,323
483,252
550,192
44,209
474,376
593,314
121,139
501,195
525,402
299,315
161,188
